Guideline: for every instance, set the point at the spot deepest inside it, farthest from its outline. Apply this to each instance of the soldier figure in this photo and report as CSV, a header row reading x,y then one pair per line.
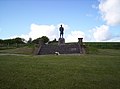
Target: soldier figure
x,y
61,29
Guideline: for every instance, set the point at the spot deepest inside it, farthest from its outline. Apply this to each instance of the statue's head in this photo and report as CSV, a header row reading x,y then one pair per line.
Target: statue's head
x,y
61,25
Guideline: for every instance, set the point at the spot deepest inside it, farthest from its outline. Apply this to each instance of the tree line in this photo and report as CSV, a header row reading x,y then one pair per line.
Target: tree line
x,y
19,40
13,41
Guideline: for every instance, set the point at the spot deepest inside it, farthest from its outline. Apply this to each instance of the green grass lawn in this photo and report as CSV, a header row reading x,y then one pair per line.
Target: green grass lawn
x,y
22,50
90,71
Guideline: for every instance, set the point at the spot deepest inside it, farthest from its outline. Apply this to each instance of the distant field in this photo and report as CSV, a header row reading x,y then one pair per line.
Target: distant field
x,y
89,71
103,45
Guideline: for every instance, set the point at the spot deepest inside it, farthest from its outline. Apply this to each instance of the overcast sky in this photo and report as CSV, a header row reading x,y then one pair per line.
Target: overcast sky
x,y
94,20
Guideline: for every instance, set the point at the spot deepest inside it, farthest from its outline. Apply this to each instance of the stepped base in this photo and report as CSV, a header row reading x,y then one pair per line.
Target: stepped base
x,y
62,49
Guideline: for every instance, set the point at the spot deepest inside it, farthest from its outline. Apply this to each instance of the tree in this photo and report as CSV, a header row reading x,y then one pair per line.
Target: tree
x,y
36,41
14,41
1,41
53,41
45,39
19,40
29,41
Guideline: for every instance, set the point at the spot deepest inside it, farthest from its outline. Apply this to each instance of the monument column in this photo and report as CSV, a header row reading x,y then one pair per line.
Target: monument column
x,y
80,40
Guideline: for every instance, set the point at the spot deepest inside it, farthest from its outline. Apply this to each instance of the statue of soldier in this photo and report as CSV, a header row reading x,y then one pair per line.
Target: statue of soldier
x,y
61,29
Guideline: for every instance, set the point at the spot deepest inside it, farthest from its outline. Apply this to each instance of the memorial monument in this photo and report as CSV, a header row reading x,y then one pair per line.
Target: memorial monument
x,y
61,40
61,47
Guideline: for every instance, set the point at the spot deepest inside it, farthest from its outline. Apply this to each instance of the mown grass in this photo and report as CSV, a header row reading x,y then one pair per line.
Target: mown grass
x,y
90,71
22,50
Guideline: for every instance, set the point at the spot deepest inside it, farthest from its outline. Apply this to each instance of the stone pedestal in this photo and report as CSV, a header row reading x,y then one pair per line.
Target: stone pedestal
x,y
80,41
61,41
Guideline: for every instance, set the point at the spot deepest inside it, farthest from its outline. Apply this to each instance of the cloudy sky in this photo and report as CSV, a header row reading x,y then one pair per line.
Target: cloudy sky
x,y
94,20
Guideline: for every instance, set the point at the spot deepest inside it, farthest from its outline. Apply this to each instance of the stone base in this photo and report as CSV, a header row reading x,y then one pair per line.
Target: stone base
x,y
61,41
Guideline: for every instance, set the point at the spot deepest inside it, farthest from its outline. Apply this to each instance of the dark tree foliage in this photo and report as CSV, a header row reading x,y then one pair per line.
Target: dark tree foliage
x,y
13,41
36,41
1,41
44,39
19,40
29,41
53,41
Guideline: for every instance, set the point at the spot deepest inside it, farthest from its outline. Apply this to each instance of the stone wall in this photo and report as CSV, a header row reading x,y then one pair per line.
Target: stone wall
x,y
71,48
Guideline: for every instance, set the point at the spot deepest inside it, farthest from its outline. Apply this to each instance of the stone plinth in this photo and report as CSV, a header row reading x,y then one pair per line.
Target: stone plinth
x,y
61,41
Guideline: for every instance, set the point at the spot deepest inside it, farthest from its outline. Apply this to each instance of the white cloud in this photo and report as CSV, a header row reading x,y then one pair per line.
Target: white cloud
x,y
101,33
39,31
42,30
52,31
110,10
36,30
74,35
